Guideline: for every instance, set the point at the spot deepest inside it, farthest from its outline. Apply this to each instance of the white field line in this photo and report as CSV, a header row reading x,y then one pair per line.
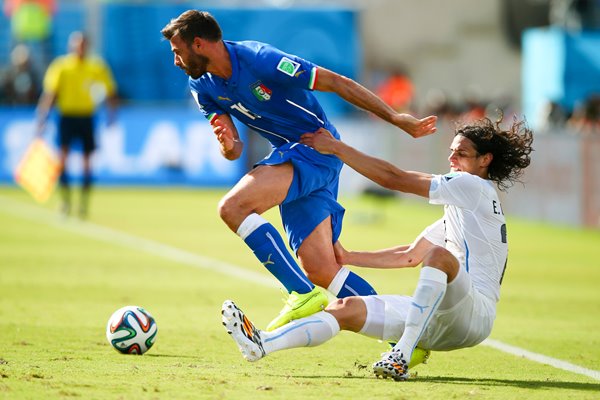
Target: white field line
x,y
123,239
542,359
115,237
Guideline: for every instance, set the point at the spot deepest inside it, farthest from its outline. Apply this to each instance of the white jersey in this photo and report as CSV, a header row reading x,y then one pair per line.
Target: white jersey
x,y
473,228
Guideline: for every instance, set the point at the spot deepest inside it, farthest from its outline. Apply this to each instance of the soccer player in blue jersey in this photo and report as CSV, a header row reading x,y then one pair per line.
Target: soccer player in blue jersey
x,y
270,92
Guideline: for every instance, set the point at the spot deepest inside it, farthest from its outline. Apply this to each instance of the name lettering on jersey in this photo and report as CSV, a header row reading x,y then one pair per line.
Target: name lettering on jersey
x,y
222,98
497,208
287,66
260,91
241,108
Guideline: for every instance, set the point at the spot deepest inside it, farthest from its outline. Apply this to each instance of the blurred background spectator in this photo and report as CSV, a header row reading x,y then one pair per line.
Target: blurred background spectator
x,y
554,116
19,83
586,116
397,90
31,23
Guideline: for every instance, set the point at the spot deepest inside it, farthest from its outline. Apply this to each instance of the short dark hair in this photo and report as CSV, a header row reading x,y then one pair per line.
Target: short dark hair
x,y
510,148
191,24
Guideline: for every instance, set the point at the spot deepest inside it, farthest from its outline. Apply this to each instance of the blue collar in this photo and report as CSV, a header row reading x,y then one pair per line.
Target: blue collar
x,y
235,65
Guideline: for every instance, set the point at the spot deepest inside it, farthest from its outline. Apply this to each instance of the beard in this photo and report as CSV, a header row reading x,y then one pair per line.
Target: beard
x,y
196,66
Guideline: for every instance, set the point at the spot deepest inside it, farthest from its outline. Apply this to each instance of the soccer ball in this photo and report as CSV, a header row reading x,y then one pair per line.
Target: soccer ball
x,y
131,330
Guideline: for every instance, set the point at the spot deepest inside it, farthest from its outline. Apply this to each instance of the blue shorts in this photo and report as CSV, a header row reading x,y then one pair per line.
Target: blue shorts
x,y
312,196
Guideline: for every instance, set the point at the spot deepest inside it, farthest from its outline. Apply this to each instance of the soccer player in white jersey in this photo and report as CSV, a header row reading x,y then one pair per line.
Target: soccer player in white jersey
x,y
463,255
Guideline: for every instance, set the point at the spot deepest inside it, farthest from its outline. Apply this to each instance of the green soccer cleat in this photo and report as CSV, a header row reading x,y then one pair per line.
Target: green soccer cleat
x,y
299,306
419,356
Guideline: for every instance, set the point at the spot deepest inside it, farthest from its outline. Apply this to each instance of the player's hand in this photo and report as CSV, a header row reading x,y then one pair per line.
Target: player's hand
x,y
224,136
416,127
321,140
340,253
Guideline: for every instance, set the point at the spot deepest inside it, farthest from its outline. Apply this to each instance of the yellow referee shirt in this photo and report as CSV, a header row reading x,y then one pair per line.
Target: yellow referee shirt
x,y
79,85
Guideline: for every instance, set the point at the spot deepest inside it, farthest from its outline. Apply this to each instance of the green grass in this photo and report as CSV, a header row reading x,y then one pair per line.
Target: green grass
x,y
59,285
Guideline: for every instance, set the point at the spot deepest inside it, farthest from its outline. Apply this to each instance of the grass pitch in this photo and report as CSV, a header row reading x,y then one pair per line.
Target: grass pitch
x,y
61,280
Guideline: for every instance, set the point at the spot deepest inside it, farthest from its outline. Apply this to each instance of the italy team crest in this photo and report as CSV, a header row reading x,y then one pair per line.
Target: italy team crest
x,y
261,92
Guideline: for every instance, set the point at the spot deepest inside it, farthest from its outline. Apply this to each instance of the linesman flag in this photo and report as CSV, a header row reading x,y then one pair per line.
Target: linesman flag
x,y
38,171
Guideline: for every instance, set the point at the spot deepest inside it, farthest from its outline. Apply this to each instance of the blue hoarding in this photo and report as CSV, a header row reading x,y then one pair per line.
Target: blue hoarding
x,y
146,146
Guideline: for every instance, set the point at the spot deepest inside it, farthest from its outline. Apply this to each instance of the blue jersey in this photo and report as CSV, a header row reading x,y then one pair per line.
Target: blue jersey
x,y
269,91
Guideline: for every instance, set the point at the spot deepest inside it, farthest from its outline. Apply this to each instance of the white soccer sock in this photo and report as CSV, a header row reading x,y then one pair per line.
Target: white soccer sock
x,y
428,296
336,284
304,332
250,224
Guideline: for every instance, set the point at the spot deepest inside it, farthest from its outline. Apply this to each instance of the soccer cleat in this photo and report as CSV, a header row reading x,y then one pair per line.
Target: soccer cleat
x,y
392,365
419,356
299,306
242,331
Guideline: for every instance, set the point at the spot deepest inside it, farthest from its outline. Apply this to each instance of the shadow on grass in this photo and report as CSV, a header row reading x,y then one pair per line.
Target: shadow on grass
x,y
527,384
170,356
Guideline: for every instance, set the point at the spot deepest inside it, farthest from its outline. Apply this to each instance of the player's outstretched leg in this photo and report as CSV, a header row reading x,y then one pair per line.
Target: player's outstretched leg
x,y
298,306
242,331
392,365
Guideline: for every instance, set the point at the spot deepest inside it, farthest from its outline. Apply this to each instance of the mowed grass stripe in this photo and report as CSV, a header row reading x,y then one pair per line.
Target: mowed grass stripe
x,y
116,237
120,238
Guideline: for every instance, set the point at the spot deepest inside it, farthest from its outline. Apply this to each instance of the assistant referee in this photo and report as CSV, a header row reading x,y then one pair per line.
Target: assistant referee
x,y
77,84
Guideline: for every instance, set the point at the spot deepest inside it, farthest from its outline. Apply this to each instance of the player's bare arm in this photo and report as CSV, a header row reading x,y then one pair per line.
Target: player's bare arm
x,y
355,93
229,140
394,257
379,171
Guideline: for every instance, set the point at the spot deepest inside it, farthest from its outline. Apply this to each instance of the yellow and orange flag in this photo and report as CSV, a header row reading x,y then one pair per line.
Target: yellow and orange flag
x,y
38,171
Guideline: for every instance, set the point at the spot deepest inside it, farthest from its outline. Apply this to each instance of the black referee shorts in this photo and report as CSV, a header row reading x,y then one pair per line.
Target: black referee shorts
x,y
72,129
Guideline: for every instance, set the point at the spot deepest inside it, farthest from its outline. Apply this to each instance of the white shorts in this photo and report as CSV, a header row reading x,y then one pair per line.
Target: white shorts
x,y
464,318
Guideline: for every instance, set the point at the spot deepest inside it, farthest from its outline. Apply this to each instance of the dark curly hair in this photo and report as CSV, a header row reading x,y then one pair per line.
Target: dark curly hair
x,y
510,148
191,24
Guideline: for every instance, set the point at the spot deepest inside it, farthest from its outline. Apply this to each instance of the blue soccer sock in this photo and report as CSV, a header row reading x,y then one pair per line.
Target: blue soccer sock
x,y
269,248
346,283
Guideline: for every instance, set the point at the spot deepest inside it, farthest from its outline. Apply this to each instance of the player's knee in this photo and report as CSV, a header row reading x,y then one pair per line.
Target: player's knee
x,y
335,305
350,312
442,259
227,209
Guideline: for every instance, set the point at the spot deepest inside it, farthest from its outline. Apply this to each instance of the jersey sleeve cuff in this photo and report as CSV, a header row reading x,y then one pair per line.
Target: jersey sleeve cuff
x,y
212,117
313,78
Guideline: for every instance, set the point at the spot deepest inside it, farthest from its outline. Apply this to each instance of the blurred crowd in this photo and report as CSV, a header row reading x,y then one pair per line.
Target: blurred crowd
x,y
30,28
398,91
584,119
